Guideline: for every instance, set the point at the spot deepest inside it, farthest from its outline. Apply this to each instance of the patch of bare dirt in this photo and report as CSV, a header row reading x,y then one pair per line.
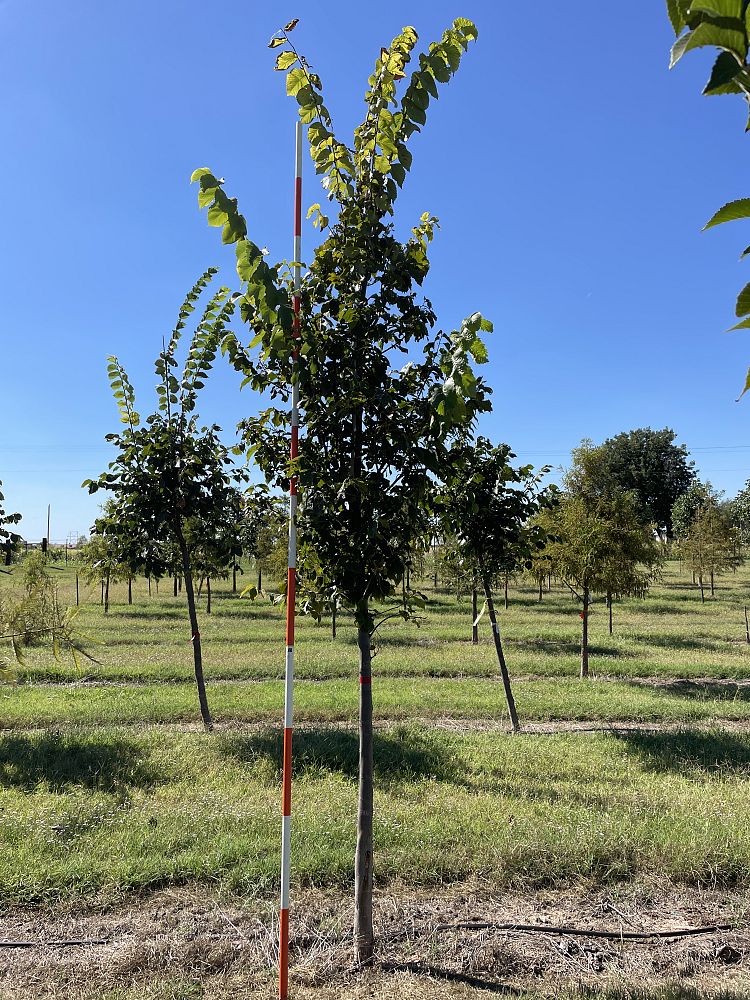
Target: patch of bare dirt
x,y
185,943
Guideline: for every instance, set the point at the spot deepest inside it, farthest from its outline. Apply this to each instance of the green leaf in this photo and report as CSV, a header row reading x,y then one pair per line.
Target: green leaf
x,y
718,8
724,71
743,302
746,387
200,172
739,209
296,79
744,325
284,60
731,39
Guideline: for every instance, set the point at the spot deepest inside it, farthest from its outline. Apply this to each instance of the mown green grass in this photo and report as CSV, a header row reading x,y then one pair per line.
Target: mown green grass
x,y
669,634
86,812
541,700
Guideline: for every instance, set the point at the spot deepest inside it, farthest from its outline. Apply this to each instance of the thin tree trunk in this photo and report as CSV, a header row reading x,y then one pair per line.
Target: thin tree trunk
x,y
77,591
260,581
364,941
333,621
506,591
408,578
712,584
175,586
747,627
106,594
585,634
474,616
540,590
130,590
208,595
196,636
549,582
149,586
609,608
234,576
700,584
102,597
501,656
157,585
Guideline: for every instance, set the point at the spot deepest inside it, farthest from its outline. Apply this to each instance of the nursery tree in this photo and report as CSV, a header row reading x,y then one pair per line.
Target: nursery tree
x,y
708,542
375,434
489,505
600,542
169,475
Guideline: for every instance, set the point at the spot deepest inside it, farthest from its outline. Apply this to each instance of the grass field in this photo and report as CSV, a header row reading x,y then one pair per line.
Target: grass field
x,y
109,790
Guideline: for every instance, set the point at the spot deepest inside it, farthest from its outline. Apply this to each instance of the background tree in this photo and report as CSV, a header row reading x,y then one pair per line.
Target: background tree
x,y
688,506
645,462
375,435
8,539
101,558
708,542
490,506
600,543
739,513
725,26
168,475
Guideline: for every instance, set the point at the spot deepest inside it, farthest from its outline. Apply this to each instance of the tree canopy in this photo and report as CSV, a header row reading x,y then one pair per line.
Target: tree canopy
x,y
645,462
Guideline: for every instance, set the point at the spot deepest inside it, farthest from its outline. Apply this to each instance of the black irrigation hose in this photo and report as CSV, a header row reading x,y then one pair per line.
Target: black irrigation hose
x,y
583,932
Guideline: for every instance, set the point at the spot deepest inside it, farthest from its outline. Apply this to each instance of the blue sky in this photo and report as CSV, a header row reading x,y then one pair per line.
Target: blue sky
x,y
570,170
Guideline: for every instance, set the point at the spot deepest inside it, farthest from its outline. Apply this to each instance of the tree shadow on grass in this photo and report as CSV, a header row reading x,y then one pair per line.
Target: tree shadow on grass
x,y
689,750
704,644
561,647
697,690
62,762
398,756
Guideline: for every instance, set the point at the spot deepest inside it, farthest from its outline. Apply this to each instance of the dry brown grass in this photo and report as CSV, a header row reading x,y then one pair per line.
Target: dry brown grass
x,y
184,944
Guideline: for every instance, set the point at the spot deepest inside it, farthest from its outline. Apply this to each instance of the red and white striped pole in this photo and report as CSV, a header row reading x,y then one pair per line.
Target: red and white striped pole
x,y
291,591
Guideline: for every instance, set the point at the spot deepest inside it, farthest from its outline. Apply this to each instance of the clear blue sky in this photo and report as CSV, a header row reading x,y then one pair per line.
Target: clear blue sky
x,y
571,172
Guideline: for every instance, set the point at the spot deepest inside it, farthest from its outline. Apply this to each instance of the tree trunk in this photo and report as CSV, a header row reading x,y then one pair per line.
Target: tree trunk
x,y
506,591
106,594
76,590
408,578
501,656
102,597
549,582
234,576
609,608
196,636
474,616
208,595
175,586
130,590
700,584
712,584
157,585
585,634
540,590
333,621
149,586
260,580
364,941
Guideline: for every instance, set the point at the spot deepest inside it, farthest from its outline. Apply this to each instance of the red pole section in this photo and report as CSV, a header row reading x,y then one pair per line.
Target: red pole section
x,y
291,593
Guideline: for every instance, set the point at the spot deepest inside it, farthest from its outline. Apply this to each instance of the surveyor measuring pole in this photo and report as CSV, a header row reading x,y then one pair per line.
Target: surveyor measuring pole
x,y
291,588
